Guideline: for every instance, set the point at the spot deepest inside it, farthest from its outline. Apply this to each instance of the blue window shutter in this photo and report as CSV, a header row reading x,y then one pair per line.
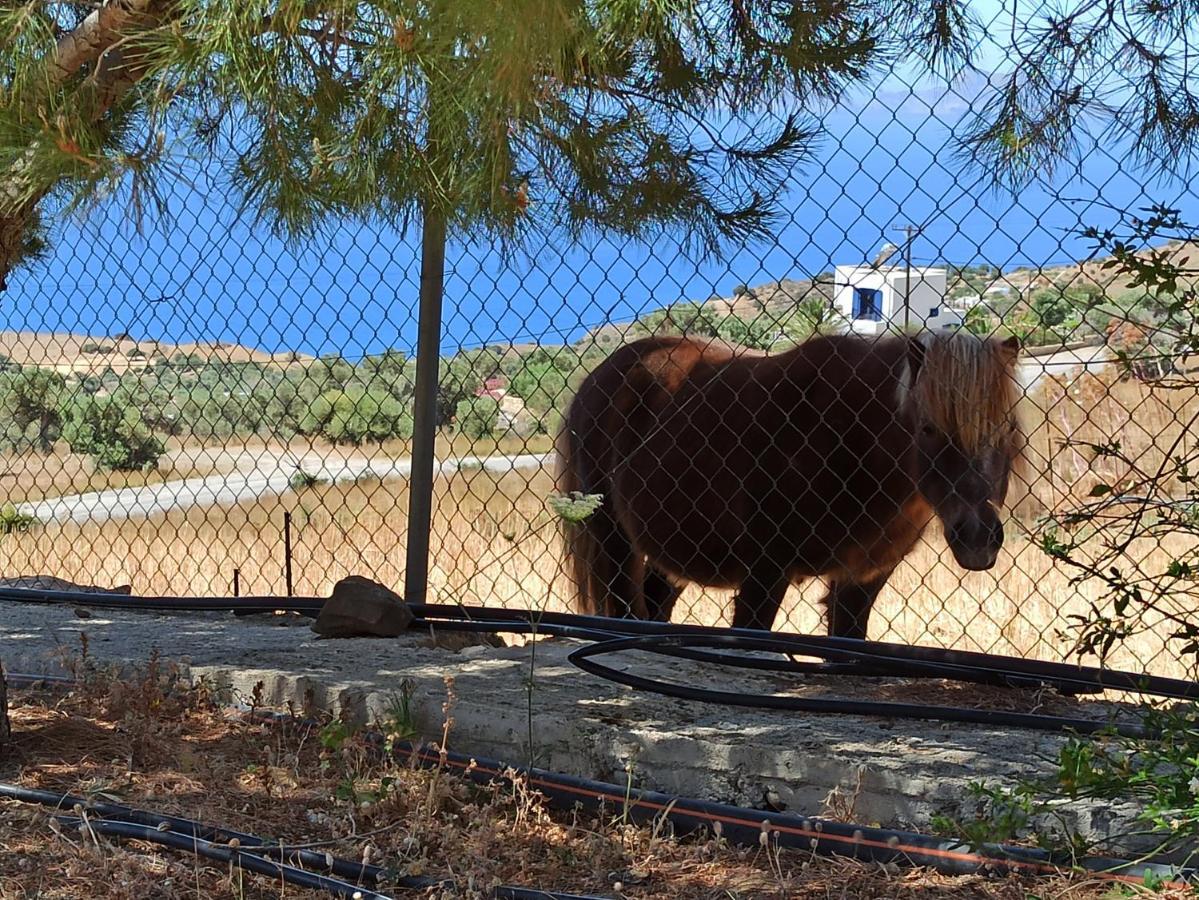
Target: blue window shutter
x,y
867,304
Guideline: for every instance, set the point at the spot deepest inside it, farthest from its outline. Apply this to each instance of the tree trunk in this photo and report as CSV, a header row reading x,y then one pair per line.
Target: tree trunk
x,y
12,240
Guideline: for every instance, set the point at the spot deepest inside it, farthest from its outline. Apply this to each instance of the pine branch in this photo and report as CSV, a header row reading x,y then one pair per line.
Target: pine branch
x,y
85,44
99,42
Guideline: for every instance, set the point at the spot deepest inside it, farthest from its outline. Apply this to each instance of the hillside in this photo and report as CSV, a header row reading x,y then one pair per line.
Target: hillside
x,y
772,300
80,354
1183,254
777,298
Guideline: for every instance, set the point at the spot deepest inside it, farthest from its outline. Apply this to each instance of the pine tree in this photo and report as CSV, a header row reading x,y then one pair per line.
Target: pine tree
x,y
530,116
527,118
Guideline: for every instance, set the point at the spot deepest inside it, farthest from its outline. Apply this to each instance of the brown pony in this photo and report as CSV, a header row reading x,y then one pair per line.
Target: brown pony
x,y
729,468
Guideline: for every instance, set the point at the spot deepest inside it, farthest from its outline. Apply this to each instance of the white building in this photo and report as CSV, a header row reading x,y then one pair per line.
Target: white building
x,y
874,300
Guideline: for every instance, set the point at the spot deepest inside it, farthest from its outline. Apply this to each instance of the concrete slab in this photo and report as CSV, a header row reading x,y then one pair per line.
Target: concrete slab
x,y
893,772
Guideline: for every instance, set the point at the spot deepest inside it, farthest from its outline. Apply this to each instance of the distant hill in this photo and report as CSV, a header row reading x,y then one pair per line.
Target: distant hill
x,y
775,298
1184,254
80,354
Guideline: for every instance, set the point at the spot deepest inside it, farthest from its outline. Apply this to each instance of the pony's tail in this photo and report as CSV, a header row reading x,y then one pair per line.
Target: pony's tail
x,y
582,542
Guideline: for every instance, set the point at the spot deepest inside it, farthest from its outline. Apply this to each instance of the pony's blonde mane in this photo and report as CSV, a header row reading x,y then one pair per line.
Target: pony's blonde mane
x,y
966,387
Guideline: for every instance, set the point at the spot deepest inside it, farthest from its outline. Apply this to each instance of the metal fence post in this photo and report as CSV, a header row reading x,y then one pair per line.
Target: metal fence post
x,y
287,552
428,362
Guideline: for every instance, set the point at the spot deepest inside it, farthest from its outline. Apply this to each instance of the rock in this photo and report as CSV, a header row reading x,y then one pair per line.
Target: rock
x,y
360,607
51,583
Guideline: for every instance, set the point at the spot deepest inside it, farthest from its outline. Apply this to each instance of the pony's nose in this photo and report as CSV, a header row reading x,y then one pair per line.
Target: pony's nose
x,y
975,541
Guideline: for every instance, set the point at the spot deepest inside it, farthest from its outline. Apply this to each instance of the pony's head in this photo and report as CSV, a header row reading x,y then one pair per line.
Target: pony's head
x,y
961,392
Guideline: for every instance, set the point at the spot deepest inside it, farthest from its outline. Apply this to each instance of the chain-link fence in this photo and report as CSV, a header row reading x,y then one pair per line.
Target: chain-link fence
x,y
200,408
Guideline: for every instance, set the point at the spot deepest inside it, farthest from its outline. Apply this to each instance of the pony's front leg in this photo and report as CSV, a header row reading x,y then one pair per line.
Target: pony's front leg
x,y
849,602
661,594
758,600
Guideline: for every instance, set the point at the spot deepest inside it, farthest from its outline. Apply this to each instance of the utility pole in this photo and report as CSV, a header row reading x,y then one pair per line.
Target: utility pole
x,y
910,232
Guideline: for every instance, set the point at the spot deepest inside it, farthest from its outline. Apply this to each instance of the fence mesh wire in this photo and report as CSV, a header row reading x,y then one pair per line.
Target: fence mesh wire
x,y
179,396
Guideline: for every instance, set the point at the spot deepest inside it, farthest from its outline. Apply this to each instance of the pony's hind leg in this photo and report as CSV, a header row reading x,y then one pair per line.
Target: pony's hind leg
x,y
618,571
849,602
758,600
661,594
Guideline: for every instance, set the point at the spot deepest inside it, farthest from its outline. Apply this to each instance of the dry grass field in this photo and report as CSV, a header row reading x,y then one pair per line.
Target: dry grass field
x,y
494,541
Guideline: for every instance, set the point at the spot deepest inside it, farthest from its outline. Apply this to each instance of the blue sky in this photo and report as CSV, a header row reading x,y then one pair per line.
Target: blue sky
x,y
888,158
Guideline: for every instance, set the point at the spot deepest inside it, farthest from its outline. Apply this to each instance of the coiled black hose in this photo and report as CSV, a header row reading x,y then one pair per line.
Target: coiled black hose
x,y
864,660
584,658
884,658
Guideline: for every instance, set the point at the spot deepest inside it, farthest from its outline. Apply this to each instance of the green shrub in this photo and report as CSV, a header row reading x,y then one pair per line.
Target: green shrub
x,y
1050,308
978,321
356,415
13,520
302,480
31,403
114,433
477,417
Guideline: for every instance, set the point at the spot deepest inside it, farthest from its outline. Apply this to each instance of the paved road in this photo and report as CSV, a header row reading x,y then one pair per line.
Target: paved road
x,y
259,475
1091,359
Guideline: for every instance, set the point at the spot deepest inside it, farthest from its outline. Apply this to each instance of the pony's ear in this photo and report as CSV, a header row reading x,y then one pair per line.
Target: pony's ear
x,y
916,352
1011,348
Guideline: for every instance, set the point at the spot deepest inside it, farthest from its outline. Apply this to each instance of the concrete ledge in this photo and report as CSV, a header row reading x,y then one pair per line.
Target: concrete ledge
x,y
895,773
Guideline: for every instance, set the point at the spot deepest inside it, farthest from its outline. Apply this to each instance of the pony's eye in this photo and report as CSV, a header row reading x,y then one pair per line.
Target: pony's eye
x,y
927,430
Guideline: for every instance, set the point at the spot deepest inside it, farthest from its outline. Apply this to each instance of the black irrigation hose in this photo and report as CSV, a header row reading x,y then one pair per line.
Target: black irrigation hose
x,y
736,824
583,658
895,659
955,662
684,646
746,826
235,856
188,834
105,600
193,829
861,658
